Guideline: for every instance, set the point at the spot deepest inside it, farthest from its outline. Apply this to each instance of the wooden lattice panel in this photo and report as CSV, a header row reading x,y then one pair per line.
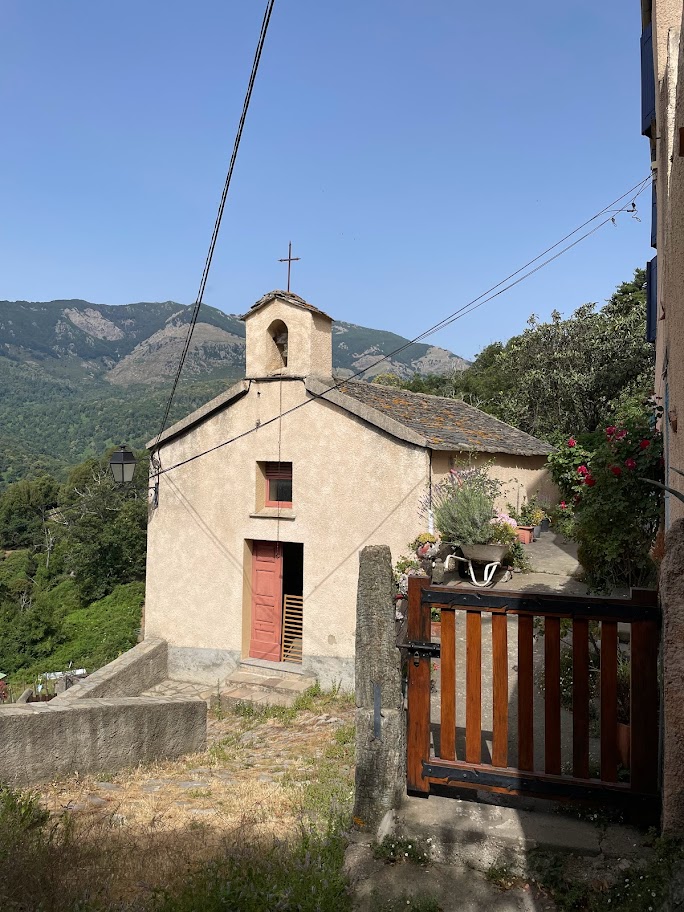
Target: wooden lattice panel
x,y
293,616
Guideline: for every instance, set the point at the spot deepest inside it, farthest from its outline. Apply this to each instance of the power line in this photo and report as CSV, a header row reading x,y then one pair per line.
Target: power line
x,y
458,314
219,215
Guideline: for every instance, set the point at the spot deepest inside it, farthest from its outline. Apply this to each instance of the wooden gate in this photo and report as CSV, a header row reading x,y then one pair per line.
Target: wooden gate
x,y
548,627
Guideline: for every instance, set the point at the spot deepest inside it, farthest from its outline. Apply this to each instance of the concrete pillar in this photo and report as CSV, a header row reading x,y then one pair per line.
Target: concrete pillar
x,y
380,728
672,600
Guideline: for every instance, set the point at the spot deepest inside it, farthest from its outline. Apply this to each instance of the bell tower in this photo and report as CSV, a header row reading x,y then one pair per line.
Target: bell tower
x,y
287,337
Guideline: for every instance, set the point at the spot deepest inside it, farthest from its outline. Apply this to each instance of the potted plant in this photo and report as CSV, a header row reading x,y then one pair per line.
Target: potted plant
x,y
524,530
465,516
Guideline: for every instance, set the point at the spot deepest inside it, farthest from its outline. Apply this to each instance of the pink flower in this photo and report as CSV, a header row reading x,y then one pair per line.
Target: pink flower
x,y
620,435
630,463
616,470
611,430
645,444
582,470
563,505
589,480
572,442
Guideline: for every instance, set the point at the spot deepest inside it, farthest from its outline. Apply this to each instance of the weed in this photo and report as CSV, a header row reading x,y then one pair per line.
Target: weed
x,y
395,849
502,876
305,877
640,888
199,793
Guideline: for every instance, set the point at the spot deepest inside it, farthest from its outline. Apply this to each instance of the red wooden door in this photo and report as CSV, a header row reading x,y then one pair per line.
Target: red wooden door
x,y
267,601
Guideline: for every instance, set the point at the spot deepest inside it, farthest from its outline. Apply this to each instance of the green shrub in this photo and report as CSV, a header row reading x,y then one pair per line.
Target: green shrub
x,y
100,632
616,510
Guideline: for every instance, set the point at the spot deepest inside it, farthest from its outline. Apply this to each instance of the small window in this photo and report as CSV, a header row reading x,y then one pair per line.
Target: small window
x,y
278,484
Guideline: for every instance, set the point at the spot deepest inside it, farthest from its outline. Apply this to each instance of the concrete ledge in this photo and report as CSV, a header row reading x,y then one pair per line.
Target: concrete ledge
x,y
45,741
135,671
481,834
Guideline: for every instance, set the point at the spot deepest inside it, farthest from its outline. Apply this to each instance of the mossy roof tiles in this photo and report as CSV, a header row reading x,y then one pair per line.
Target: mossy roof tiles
x,y
446,424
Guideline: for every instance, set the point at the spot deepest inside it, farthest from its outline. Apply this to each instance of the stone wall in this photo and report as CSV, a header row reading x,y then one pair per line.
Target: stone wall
x,y
672,601
44,741
129,675
102,724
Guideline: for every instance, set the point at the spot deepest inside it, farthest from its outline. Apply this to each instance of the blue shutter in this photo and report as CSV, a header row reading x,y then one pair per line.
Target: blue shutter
x,y
651,299
648,112
654,215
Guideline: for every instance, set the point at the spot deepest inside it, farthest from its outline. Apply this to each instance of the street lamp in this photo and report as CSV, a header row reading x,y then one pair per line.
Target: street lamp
x,y
122,464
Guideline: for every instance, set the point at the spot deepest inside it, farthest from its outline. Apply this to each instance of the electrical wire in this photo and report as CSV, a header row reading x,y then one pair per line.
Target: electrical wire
x,y
458,314
219,215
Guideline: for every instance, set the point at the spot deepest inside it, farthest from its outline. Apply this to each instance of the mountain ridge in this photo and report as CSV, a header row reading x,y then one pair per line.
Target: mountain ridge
x,y
58,334
78,377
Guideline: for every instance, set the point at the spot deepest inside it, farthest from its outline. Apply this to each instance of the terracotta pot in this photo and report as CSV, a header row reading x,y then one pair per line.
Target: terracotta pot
x,y
623,737
436,630
525,534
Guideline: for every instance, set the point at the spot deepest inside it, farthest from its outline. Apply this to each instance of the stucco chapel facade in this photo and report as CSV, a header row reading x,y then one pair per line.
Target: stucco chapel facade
x,y
267,494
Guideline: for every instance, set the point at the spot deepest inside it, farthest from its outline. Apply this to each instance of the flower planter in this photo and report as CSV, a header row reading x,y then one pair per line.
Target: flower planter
x,y
537,531
525,534
435,630
484,554
545,524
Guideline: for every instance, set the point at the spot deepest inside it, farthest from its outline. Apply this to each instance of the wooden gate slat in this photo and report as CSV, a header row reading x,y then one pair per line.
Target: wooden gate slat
x,y
552,696
580,698
418,708
474,687
525,692
644,705
447,736
500,689
609,647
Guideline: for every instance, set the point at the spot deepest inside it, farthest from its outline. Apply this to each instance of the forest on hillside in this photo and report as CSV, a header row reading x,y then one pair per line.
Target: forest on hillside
x,y
72,569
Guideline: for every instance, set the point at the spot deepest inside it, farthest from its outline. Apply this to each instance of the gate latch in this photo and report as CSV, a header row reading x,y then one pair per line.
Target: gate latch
x,y
419,650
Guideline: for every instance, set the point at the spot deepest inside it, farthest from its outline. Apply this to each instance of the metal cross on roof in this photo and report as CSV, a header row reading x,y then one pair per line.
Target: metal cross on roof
x,y
289,259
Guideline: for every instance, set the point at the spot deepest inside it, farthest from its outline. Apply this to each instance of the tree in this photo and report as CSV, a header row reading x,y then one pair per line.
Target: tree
x,y
104,527
23,510
565,376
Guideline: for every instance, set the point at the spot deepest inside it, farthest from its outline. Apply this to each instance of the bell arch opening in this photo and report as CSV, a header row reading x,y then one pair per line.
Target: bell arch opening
x,y
279,334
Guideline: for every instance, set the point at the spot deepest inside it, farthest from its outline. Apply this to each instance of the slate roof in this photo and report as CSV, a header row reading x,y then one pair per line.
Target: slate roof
x,y
446,424
289,298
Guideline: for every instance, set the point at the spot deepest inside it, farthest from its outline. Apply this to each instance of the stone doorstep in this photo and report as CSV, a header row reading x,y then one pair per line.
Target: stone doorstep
x,y
481,834
258,695
269,682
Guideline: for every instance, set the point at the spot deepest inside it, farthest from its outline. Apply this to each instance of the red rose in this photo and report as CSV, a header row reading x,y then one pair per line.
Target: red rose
x,y
572,442
619,435
582,470
589,480
645,444
611,430
630,463
616,470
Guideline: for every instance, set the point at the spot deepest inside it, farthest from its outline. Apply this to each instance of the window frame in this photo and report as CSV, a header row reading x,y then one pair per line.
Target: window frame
x,y
277,471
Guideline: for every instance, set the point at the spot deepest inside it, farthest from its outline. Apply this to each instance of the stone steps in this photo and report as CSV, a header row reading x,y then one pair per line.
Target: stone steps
x,y
261,686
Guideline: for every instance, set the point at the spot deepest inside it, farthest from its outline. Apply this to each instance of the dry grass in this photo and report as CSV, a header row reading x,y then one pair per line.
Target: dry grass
x,y
115,841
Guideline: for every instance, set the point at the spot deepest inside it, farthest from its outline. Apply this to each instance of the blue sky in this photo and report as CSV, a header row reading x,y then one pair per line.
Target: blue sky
x,y
414,153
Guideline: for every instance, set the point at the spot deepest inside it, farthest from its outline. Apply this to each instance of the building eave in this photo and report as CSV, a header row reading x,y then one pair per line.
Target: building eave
x,y
201,414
